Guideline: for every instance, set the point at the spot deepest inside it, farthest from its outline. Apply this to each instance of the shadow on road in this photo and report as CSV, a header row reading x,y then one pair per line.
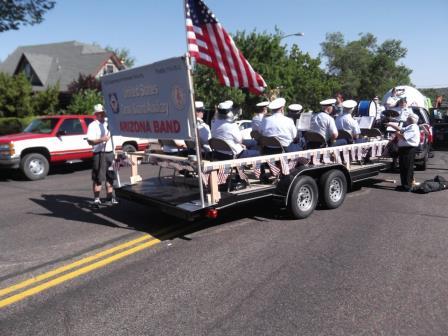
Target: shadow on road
x,y
60,169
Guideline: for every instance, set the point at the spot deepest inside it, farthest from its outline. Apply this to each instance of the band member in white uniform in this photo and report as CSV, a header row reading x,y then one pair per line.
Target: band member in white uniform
x,y
346,122
262,109
403,109
408,141
279,126
225,129
204,131
379,108
324,124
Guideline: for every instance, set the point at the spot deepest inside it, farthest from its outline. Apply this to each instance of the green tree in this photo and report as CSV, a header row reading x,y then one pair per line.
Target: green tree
x,y
362,67
288,73
14,13
124,55
46,102
15,96
83,101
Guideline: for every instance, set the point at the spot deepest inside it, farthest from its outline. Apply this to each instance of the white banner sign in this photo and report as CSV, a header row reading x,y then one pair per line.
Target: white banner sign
x,y
152,101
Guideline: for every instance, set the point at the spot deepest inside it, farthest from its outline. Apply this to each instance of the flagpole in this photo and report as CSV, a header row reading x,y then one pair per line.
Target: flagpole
x,y
195,128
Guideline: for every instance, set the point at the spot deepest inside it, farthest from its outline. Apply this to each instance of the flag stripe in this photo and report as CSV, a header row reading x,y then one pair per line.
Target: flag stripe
x,y
210,44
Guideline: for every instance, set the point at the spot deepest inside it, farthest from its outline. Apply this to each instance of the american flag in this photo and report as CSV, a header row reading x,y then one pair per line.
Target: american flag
x,y
257,169
273,168
285,166
211,45
223,174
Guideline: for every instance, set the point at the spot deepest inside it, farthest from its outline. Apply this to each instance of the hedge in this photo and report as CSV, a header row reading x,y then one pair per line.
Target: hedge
x,y
13,125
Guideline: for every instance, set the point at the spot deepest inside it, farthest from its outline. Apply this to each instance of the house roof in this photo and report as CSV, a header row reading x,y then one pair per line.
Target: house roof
x,y
60,62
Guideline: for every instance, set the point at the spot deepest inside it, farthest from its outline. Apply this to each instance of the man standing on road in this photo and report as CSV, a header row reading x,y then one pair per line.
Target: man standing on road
x,y
408,140
98,136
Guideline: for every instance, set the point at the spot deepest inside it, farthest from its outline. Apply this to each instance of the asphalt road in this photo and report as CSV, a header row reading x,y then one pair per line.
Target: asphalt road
x,y
375,266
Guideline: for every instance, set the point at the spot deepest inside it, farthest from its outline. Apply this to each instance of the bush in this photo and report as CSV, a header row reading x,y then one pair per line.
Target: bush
x,y
10,126
83,102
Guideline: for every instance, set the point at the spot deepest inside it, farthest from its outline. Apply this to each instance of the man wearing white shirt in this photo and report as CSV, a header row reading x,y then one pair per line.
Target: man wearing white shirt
x,y
346,122
204,131
324,124
262,109
408,141
225,129
279,126
98,136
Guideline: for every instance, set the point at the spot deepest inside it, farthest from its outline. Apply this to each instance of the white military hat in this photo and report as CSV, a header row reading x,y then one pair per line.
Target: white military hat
x,y
198,105
295,107
262,104
349,104
277,103
226,105
98,108
327,102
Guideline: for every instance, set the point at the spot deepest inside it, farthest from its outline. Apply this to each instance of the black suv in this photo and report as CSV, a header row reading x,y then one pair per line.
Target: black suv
x,y
439,122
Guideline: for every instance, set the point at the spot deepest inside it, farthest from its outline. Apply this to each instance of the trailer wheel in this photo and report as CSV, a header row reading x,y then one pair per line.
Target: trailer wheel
x,y
333,187
304,197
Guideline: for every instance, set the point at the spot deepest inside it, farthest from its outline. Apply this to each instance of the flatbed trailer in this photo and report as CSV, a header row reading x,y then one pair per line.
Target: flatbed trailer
x,y
299,180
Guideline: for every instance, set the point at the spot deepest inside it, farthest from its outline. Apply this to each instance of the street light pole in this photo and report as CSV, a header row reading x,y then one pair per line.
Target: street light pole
x,y
295,34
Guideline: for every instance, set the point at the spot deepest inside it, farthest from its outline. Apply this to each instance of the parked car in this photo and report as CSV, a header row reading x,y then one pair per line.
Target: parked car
x,y
426,138
245,127
52,140
439,122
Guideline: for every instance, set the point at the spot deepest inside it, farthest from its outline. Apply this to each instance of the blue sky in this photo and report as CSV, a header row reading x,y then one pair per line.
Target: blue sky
x,y
154,29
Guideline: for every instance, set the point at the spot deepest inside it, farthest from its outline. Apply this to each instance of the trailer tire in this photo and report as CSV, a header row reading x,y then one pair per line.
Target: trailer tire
x,y
333,188
129,148
304,197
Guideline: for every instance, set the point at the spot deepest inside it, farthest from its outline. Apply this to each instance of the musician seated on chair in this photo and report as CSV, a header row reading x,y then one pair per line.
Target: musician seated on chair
x,y
261,110
346,122
324,124
403,109
204,131
279,126
225,129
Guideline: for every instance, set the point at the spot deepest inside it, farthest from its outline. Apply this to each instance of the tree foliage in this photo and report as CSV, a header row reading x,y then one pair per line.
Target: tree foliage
x,y
83,101
362,67
124,55
288,73
15,96
46,102
84,82
14,13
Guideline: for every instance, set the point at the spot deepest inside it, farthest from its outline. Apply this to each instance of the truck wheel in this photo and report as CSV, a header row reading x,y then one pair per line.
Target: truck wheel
x,y
129,148
34,166
304,197
333,187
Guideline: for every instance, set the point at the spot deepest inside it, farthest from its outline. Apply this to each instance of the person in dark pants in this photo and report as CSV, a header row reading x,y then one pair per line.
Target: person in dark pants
x,y
98,136
408,140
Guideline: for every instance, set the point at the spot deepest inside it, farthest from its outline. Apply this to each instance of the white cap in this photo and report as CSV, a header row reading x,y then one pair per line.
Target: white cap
x,y
349,104
413,116
277,103
198,105
295,107
327,102
98,108
226,105
262,104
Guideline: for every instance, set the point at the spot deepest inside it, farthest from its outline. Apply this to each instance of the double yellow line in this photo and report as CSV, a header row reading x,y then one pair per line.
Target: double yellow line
x,y
60,275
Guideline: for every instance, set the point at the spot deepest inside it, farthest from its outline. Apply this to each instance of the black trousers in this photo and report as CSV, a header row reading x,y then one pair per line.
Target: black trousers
x,y
406,159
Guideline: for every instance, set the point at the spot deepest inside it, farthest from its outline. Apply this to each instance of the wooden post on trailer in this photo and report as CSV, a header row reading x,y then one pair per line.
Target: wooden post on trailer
x,y
215,195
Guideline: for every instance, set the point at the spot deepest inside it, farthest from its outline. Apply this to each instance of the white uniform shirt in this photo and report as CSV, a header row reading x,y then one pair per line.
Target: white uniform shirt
x,y
347,123
97,130
391,102
379,111
281,127
323,124
411,134
256,122
404,113
230,133
204,133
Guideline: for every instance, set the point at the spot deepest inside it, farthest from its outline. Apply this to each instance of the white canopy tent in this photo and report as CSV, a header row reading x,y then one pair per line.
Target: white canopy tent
x,y
413,96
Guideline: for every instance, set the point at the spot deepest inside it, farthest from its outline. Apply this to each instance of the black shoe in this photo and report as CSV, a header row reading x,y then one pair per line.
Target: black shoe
x,y
403,189
264,178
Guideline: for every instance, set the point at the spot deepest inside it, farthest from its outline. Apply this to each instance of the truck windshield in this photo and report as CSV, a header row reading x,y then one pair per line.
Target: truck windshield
x,y
41,126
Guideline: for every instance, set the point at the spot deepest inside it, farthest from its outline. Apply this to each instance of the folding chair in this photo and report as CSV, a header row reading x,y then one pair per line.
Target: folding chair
x,y
343,134
314,140
219,146
270,145
371,133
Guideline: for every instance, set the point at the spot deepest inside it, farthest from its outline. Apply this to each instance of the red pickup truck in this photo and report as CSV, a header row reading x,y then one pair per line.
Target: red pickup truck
x,y
51,140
